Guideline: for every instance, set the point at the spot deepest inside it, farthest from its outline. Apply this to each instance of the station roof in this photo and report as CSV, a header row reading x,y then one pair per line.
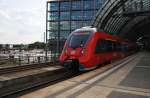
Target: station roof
x,y
127,18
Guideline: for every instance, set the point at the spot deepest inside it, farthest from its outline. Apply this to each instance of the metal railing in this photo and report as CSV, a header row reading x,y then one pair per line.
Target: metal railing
x,y
7,60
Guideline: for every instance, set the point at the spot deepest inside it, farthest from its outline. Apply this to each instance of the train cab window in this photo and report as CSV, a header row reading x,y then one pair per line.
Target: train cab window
x,y
79,39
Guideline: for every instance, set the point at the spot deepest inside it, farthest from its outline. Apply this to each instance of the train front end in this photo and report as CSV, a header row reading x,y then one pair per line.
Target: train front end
x,y
75,51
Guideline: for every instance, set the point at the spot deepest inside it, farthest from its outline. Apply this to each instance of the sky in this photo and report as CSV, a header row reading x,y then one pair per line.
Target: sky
x,y
22,21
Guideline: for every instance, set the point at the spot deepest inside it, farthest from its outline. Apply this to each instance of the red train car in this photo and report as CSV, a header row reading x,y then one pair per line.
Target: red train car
x,y
86,48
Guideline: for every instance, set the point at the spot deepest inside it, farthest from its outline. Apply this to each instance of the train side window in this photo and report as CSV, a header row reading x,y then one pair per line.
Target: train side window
x,y
104,45
98,46
113,46
126,48
101,46
123,48
109,45
118,46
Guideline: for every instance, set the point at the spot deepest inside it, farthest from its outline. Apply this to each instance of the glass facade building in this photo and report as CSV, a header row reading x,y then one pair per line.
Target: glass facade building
x,y
64,16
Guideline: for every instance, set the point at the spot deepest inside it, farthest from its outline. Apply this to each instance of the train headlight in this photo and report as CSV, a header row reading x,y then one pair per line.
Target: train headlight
x,y
82,51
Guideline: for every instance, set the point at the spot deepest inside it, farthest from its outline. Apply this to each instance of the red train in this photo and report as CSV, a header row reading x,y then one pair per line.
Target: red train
x,y
86,48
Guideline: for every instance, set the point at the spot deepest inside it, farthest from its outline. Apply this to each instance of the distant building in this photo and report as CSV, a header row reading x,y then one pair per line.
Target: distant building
x,y
12,47
6,46
64,16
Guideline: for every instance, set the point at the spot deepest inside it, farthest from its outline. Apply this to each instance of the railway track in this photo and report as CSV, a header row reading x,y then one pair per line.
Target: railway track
x,y
23,68
52,77
20,78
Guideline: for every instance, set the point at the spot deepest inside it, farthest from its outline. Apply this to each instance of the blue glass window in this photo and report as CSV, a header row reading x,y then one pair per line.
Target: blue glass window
x,y
76,24
53,6
65,25
64,15
88,15
64,34
53,34
77,15
53,16
86,23
65,5
99,3
76,5
89,5
53,25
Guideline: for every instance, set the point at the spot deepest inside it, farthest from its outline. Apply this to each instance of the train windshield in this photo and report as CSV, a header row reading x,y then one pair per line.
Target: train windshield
x,y
79,39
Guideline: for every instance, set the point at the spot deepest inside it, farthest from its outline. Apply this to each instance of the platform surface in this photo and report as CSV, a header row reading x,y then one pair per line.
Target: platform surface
x,y
129,79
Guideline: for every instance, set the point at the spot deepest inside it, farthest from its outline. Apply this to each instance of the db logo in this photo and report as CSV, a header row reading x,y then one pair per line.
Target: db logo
x,y
73,52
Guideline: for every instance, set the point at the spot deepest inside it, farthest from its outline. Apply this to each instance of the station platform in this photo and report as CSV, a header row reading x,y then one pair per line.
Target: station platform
x,y
129,79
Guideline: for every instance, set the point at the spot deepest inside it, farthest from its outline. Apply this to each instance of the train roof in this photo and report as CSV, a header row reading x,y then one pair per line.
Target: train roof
x,y
87,28
94,29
